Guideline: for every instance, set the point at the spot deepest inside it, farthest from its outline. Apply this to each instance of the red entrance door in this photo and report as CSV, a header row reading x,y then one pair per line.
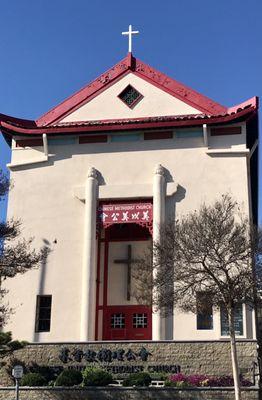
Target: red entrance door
x,y
127,323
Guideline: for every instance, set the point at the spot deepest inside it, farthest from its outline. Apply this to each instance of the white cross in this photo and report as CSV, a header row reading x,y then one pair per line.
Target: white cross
x,y
130,33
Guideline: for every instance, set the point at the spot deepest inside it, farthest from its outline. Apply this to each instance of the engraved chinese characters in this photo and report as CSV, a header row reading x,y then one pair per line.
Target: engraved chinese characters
x,y
103,355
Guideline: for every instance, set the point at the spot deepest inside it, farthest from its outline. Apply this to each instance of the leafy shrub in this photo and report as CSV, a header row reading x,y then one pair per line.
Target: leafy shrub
x,y
69,377
5,337
33,379
138,379
50,374
96,377
181,380
15,345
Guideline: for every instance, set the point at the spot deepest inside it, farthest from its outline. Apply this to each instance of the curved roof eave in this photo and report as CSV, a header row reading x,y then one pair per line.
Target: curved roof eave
x,y
13,126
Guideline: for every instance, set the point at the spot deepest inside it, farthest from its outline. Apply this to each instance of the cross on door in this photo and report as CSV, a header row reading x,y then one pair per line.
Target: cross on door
x,y
128,261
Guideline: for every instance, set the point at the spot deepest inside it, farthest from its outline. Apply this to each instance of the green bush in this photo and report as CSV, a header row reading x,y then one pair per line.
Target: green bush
x,y
138,379
69,377
5,337
48,373
96,377
15,345
33,379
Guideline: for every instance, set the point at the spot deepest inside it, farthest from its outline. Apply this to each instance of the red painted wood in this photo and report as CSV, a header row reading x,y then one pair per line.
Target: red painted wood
x,y
121,213
113,234
144,71
127,124
29,143
105,271
97,286
159,135
234,130
127,232
129,332
93,139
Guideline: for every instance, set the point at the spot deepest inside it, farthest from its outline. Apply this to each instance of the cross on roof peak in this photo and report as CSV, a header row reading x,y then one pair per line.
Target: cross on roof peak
x,y
130,33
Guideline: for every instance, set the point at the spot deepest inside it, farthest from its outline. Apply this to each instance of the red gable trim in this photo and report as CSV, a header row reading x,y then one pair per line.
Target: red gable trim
x,y
178,90
144,71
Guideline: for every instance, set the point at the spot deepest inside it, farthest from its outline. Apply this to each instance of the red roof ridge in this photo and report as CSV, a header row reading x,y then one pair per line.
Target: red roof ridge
x,y
144,71
252,102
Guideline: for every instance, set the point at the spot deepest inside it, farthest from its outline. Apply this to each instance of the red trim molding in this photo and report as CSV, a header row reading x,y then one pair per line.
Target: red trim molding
x,y
127,124
144,71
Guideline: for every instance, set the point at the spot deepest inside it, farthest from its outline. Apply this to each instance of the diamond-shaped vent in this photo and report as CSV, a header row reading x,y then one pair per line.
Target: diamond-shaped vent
x,y
130,96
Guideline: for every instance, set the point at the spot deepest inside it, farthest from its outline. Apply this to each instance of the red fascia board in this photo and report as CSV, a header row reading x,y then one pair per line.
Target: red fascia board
x,y
144,71
84,94
11,129
19,121
178,89
252,102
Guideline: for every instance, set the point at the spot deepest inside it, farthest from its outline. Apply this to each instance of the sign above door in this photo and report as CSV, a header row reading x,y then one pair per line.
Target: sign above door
x,y
122,213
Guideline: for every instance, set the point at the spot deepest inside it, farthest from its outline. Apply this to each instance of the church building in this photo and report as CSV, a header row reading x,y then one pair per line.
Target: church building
x,y
93,180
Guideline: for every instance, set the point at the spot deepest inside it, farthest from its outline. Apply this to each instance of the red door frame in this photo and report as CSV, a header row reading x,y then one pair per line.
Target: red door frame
x,y
129,332
105,307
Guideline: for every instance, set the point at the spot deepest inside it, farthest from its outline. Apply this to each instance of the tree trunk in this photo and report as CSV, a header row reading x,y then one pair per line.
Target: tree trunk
x,y
231,323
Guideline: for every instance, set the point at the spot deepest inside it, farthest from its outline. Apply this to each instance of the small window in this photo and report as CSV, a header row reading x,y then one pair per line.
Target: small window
x,y
238,321
130,96
139,320
118,321
43,313
230,130
158,135
93,139
29,142
204,312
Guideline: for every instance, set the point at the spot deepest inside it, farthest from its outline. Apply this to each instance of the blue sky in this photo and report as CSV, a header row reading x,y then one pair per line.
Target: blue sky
x,y
49,49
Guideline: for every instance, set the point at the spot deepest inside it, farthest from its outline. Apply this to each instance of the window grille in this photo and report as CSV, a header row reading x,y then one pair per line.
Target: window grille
x,y
43,313
139,320
118,321
130,96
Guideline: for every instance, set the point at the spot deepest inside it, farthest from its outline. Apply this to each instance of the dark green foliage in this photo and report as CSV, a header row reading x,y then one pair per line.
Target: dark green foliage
x,y
33,379
96,377
69,377
50,374
138,379
5,337
15,345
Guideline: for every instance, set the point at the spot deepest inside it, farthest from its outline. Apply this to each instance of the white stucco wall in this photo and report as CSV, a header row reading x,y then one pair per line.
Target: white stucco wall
x,y
43,198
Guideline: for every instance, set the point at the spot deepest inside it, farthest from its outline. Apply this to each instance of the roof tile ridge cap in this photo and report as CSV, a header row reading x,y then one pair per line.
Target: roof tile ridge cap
x,y
17,121
252,102
39,120
113,120
182,85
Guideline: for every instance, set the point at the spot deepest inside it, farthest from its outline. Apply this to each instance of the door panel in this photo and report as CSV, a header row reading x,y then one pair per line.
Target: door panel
x,y
127,323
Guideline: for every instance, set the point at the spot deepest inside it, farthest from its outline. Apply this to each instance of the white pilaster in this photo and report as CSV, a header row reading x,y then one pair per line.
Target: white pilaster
x,y
88,301
159,198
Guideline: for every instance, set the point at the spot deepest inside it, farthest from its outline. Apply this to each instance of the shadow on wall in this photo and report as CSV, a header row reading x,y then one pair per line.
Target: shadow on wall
x,y
41,286
170,216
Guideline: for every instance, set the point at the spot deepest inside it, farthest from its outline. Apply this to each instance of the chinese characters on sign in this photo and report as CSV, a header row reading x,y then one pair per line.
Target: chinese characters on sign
x,y
107,358
103,355
125,213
